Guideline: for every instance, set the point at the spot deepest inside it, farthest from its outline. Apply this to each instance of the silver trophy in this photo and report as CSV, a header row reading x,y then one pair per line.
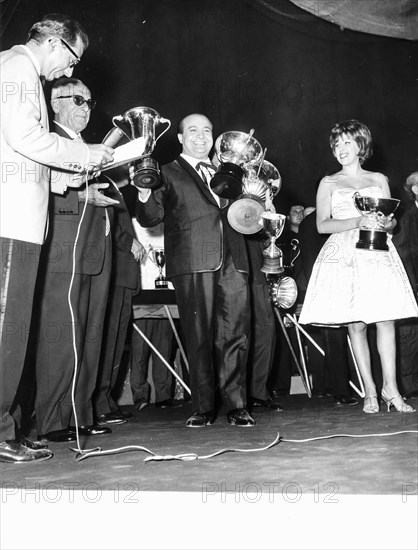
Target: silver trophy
x,y
135,123
157,256
260,185
375,210
273,225
234,150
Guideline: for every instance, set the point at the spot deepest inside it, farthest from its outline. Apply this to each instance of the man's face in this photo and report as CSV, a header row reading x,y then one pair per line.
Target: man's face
x,y
296,214
67,112
196,138
60,60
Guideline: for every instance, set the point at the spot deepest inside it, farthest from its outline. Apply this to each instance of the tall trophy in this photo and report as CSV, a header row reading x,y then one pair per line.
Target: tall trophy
x,y
273,225
157,256
234,150
374,211
261,183
135,123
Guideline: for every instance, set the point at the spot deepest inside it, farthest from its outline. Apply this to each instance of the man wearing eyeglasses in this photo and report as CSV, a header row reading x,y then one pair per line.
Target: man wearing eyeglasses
x,y
28,149
72,103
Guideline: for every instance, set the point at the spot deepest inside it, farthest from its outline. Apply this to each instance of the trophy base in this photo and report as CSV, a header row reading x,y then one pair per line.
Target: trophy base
x,y
147,174
372,240
161,283
244,215
272,266
227,182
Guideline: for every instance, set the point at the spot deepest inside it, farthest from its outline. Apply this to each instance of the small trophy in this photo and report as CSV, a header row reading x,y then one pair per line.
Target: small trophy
x,y
273,225
374,210
157,256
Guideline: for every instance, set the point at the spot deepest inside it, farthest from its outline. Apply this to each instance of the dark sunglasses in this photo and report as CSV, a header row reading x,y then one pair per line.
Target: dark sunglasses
x,y
69,48
79,100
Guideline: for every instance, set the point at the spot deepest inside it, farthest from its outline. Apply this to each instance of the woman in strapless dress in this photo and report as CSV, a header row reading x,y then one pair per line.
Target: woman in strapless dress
x,y
353,286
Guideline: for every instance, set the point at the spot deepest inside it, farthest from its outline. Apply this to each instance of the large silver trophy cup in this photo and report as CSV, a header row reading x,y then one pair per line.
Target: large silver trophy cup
x,y
234,150
157,256
260,185
374,210
273,225
135,123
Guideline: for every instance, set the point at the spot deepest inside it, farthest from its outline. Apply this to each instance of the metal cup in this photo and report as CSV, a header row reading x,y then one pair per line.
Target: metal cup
x,y
260,185
157,256
273,225
234,150
374,210
135,123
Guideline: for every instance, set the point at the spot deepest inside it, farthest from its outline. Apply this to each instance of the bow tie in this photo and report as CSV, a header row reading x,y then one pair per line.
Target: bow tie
x,y
205,165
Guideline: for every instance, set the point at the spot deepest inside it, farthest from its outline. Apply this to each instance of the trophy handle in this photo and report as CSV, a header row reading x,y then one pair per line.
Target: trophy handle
x,y
164,121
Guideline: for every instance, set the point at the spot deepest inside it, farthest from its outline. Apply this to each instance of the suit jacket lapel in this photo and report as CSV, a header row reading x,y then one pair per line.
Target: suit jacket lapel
x,y
202,185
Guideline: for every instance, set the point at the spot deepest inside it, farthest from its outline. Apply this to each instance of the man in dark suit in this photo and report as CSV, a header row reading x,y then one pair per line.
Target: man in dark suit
x,y
127,251
55,358
27,150
208,266
405,239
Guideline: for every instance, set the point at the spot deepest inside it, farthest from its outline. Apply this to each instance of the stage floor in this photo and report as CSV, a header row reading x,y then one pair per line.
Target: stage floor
x,y
325,471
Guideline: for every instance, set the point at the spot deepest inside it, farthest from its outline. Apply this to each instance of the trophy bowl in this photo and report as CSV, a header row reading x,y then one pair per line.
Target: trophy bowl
x,y
157,256
260,185
234,150
372,236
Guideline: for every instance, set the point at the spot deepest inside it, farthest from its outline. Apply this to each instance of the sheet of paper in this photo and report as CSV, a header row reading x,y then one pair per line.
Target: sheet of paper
x,y
128,152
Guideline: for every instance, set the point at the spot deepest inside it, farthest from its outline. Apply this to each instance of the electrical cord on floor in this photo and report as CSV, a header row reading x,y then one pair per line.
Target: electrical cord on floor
x,y
193,456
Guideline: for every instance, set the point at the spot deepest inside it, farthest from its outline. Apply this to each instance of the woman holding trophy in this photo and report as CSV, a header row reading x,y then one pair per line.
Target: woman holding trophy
x,y
357,282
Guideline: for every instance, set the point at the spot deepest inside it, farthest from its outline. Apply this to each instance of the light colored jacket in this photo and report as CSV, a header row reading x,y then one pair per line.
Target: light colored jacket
x,y
28,150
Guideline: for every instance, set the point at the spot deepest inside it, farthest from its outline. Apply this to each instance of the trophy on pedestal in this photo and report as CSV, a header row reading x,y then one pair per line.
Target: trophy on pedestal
x,y
273,225
157,256
234,150
135,123
374,210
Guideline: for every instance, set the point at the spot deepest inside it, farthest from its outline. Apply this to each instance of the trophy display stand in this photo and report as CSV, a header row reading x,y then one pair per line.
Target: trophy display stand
x,y
160,304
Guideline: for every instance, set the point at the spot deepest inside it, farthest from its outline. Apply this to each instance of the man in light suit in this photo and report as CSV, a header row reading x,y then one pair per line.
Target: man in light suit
x,y
27,150
208,266
72,103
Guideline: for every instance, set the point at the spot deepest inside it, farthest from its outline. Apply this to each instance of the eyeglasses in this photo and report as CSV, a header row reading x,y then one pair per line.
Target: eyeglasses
x,y
79,100
69,48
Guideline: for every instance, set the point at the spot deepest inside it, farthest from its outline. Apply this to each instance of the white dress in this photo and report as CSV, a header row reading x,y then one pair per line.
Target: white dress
x,y
349,284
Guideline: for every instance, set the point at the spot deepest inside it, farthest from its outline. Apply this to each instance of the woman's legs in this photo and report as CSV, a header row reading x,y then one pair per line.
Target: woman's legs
x,y
386,344
358,337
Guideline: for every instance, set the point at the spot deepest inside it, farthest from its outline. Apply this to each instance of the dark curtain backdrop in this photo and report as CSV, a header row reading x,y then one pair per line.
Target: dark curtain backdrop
x,y
284,72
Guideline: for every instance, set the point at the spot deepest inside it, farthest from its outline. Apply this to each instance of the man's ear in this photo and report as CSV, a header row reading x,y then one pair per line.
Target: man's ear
x,y
54,105
180,138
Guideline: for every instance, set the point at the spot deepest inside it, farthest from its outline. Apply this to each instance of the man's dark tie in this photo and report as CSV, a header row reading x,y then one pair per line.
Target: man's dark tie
x,y
206,170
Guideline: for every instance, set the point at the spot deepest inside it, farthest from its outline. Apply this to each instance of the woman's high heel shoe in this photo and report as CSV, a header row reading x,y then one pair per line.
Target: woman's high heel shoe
x,y
370,404
398,403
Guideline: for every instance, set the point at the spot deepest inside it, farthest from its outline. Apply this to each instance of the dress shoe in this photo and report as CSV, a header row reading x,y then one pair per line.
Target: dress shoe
x,y
126,414
91,430
140,403
58,436
112,417
345,400
33,445
265,403
240,417
279,393
15,453
200,420
172,403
